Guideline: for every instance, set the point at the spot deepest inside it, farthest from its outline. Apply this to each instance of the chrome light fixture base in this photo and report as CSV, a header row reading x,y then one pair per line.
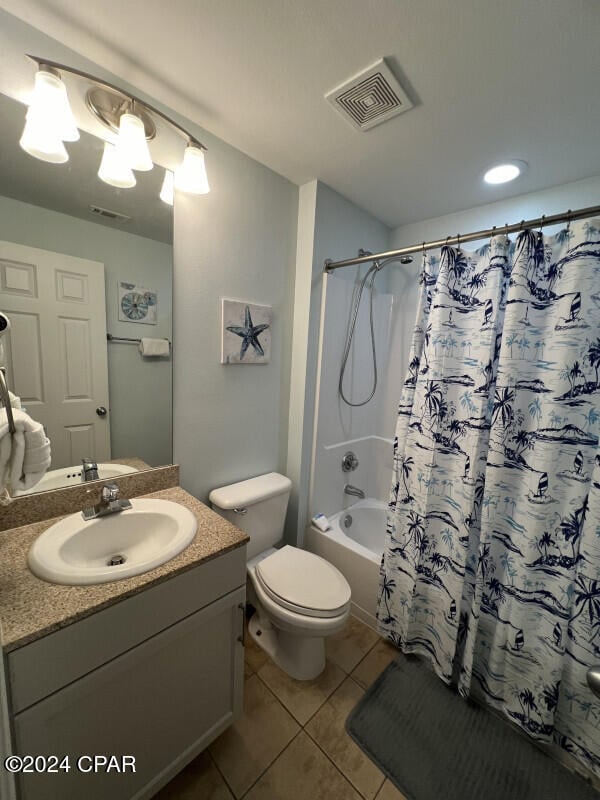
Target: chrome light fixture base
x,y
107,105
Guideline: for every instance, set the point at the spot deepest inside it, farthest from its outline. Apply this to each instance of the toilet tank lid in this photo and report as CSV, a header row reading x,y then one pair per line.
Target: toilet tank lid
x,y
247,493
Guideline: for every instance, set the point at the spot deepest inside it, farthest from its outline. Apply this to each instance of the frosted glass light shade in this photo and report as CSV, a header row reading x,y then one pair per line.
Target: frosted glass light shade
x,y
191,176
132,143
50,103
113,169
167,191
42,141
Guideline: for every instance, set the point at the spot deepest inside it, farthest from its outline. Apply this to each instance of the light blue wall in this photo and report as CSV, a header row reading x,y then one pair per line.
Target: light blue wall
x,y
230,421
140,390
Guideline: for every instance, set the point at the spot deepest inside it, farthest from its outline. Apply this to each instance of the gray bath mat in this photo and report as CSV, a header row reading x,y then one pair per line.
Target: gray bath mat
x,y
433,745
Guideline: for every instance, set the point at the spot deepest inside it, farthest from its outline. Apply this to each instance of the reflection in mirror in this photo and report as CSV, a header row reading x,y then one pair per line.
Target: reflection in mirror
x,y
85,273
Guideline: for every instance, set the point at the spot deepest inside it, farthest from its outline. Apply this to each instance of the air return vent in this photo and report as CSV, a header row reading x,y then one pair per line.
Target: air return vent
x,y
108,214
369,98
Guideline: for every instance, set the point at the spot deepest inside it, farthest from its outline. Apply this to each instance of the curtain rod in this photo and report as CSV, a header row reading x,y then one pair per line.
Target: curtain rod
x,y
542,221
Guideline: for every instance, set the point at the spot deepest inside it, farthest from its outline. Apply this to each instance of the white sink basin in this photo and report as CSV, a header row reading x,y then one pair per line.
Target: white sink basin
x,y
75,551
71,476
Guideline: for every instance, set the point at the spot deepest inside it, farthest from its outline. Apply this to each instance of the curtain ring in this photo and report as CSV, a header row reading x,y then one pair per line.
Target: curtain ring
x,y
458,242
507,240
521,224
569,213
540,232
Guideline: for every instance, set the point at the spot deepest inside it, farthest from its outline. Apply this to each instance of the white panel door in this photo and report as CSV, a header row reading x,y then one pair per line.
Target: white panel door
x,y
56,349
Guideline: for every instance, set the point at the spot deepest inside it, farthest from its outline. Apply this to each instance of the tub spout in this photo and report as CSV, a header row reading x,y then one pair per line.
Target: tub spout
x,y
354,491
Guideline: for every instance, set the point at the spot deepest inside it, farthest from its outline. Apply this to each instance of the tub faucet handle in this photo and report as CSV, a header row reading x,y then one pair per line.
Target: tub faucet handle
x,y
349,462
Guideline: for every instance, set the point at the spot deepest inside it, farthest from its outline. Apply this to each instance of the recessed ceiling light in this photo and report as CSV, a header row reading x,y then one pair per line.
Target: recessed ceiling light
x,y
503,173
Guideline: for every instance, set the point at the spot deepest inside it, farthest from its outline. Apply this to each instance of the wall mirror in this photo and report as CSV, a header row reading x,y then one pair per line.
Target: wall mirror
x,y
85,272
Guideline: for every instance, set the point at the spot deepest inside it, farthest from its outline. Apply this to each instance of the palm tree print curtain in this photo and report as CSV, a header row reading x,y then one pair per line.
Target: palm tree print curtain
x,y
491,568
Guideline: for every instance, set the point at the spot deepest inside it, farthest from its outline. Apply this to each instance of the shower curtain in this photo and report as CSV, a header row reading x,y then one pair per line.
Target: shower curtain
x,y
491,568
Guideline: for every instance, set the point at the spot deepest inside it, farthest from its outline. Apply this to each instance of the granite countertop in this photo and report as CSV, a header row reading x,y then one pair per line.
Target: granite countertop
x,y
31,608
135,462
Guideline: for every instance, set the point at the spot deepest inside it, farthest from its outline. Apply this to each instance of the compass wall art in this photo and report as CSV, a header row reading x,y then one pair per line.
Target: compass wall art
x,y
137,304
246,332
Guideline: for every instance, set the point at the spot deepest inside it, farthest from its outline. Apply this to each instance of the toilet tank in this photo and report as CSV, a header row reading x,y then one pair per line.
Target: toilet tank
x,y
257,506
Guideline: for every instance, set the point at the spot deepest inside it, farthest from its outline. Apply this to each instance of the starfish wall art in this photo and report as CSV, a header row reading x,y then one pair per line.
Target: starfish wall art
x,y
246,337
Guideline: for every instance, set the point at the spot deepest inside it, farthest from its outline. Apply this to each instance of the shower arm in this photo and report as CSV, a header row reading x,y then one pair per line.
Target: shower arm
x,y
543,221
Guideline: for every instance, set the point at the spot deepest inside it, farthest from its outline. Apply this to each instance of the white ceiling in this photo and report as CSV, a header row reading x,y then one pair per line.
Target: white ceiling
x,y
490,79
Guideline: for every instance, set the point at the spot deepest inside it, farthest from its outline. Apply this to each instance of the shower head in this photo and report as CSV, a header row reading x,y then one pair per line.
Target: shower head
x,y
402,259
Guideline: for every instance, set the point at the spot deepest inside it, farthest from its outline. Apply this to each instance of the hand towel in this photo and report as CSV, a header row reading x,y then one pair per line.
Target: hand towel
x,y
150,348
24,456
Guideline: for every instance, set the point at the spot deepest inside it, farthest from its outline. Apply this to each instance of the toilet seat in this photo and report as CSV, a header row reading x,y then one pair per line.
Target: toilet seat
x,y
304,583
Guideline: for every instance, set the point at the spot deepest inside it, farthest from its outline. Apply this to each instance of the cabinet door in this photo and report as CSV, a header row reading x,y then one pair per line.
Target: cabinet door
x,y
162,702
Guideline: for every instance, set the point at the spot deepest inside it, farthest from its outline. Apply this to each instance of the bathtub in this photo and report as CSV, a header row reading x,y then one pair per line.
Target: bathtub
x,y
355,547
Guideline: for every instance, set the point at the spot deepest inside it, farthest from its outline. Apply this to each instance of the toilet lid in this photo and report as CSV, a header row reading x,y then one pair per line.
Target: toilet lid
x,y
304,582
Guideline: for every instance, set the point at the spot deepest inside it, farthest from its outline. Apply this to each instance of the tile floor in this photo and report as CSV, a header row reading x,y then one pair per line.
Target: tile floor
x,y
290,743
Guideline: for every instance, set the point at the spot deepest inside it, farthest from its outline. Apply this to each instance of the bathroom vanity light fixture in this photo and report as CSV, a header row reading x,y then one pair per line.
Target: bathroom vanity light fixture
x,y
49,121
132,144
114,169
191,176
503,173
130,122
167,191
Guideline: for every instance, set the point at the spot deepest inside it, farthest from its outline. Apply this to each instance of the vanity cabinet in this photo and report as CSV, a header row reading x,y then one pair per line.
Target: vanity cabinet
x,y
157,676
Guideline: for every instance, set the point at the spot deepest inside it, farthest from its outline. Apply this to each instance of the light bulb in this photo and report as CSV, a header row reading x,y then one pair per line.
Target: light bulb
x,y
191,176
503,173
167,191
132,143
113,169
50,103
42,141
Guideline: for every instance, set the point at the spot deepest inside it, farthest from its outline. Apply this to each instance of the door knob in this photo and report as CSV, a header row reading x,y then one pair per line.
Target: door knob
x,y
101,411
593,679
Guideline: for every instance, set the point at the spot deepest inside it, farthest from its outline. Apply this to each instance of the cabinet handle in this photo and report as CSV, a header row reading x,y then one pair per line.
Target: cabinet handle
x,y
242,637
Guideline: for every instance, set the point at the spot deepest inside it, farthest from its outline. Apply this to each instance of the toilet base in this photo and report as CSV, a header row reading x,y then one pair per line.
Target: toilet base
x,y
301,657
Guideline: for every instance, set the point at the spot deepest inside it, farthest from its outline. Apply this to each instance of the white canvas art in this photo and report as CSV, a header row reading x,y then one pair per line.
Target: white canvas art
x,y
246,332
137,304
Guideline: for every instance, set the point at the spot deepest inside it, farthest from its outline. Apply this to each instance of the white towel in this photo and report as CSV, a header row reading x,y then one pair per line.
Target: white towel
x,y
24,456
14,400
154,347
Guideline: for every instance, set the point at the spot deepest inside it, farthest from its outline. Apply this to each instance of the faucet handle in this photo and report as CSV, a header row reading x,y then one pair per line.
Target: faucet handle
x,y
110,492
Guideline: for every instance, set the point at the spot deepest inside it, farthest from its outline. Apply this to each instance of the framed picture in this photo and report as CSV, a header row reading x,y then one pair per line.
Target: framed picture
x,y
137,304
245,332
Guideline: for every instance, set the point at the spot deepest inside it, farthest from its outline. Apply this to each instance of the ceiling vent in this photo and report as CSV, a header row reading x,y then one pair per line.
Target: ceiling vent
x,y
370,98
108,214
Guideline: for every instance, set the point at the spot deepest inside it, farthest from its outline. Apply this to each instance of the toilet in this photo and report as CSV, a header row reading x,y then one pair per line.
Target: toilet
x,y
300,598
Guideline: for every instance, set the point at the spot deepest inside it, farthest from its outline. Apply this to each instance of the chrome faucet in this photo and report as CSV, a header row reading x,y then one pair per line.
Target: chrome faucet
x,y
110,503
89,470
354,491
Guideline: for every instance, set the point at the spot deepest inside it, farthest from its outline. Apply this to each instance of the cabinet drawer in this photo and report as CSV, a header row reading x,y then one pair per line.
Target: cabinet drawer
x,y
46,665
161,702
